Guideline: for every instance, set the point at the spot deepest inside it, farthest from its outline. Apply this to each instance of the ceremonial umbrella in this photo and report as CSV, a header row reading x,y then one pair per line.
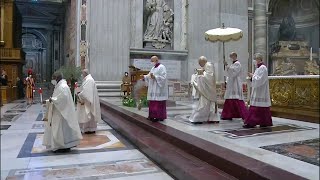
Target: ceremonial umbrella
x,y
223,35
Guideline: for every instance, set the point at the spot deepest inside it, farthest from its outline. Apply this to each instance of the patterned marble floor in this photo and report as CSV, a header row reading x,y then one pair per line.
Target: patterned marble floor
x,y
289,144
104,155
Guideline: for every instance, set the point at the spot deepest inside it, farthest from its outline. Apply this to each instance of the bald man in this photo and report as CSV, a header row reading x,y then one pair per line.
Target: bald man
x,y
157,84
205,85
234,106
62,130
88,106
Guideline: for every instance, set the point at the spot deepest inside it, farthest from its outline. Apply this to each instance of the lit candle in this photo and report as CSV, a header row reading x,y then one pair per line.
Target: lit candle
x,y
311,54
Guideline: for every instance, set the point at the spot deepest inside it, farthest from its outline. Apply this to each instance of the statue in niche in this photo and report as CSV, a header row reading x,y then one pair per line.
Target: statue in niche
x,y
159,23
287,30
167,29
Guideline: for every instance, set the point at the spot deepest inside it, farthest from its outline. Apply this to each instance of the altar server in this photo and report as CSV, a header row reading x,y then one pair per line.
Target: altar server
x,y
88,108
234,106
62,130
157,84
259,111
206,87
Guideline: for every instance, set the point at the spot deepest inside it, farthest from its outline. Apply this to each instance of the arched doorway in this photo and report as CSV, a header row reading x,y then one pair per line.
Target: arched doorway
x,y
36,55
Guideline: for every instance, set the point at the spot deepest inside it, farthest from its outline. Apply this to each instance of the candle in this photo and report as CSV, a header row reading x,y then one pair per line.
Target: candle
x,y
311,54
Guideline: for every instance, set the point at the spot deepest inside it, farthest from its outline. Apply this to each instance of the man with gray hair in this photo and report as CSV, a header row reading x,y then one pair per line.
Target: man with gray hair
x,y
205,85
88,106
259,111
62,130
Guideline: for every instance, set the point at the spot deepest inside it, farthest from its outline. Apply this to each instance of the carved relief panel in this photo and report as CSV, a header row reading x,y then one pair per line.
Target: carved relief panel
x,y
158,19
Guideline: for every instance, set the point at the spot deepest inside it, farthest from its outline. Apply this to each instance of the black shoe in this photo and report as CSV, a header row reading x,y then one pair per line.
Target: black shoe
x,y
248,126
230,119
62,150
154,120
197,122
90,132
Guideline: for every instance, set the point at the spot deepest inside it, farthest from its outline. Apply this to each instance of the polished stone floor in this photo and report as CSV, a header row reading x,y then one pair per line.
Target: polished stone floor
x,y
104,155
290,145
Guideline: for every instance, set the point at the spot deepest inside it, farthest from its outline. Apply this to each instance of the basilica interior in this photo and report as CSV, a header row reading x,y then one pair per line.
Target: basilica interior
x,y
111,38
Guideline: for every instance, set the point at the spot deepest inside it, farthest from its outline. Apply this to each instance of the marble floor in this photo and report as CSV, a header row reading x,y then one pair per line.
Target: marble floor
x,y
290,145
104,155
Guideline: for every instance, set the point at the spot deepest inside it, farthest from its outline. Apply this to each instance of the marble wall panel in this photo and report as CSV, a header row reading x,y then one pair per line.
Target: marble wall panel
x,y
109,36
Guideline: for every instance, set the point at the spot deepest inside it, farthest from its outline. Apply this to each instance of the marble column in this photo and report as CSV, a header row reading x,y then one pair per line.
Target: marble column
x,y
184,28
260,28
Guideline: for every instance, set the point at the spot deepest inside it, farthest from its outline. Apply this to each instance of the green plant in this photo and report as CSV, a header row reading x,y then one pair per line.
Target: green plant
x,y
68,71
129,102
144,101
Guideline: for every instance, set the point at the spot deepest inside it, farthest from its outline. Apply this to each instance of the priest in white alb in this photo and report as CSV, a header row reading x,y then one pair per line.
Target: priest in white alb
x,y
234,106
259,111
195,93
62,130
157,95
88,107
206,87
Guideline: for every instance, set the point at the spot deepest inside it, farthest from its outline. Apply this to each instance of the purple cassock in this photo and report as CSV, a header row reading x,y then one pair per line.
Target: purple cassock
x,y
157,92
234,106
259,111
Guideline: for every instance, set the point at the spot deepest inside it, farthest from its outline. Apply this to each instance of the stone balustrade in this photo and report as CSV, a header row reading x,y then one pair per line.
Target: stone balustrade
x,y
10,53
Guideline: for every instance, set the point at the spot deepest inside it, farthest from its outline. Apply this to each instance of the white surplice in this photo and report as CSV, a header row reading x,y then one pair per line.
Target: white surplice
x,y
158,87
195,93
206,86
260,96
234,82
89,113
62,128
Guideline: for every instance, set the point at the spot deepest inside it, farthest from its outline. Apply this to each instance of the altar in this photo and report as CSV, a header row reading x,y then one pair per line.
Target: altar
x,y
295,97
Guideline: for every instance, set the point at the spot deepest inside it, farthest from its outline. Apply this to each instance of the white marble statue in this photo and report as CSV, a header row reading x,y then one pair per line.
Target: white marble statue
x,y
155,19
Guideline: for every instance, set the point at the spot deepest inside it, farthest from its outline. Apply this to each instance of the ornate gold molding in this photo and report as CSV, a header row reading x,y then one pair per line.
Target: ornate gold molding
x,y
292,93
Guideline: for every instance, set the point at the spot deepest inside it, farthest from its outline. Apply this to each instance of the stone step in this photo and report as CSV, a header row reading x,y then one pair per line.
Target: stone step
x,y
109,94
108,82
108,86
109,90
186,156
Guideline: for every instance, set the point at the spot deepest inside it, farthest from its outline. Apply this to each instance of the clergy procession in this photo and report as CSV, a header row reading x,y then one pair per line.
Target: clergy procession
x,y
64,122
159,89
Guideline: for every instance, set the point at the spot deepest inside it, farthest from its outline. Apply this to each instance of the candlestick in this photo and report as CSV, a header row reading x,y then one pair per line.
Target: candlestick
x,y
311,54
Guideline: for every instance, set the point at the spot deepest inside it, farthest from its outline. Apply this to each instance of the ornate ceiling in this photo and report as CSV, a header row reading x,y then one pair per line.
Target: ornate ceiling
x,y
42,11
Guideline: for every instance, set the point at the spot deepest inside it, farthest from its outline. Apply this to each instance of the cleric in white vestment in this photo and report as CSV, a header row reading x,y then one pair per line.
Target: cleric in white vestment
x,y
157,95
195,93
206,87
234,106
88,107
62,130
259,111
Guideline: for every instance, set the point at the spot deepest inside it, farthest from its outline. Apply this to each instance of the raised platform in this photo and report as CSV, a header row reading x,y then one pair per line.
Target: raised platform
x,y
186,156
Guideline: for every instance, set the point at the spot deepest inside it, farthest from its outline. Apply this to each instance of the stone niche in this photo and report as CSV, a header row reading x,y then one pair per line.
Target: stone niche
x,y
293,37
158,24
